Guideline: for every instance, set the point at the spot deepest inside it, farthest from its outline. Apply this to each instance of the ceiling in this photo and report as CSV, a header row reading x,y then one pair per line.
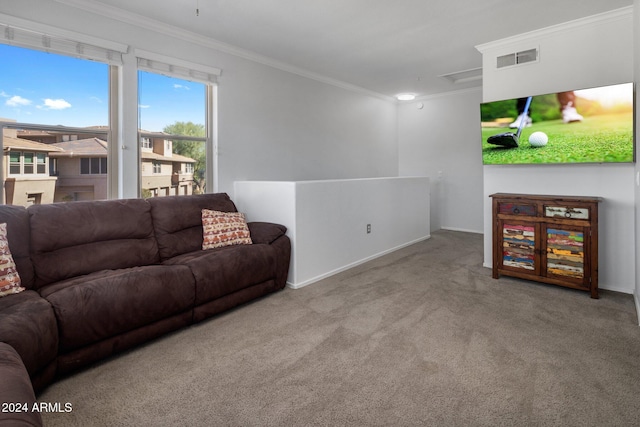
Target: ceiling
x,y
383,46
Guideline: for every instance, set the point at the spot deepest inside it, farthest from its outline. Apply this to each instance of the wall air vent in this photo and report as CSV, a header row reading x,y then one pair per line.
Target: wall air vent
x,y
517,58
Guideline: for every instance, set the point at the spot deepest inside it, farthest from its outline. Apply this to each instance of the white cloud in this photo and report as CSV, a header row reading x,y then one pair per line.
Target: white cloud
x,y
179,86
4,94
17,101
96,99
55,104
144,106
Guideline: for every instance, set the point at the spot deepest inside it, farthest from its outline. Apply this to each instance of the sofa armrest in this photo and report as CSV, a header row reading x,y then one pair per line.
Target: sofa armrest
x,y
16,391
265,232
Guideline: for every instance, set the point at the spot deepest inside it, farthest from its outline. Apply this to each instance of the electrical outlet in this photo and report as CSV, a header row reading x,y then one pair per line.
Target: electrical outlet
x,y
368,228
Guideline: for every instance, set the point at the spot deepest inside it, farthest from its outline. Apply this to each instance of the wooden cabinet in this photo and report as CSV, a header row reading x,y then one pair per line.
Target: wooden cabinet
x,y
550,239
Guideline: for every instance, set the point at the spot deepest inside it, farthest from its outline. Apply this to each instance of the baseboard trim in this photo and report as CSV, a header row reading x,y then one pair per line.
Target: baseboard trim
x,y
353,264
621,289
464,230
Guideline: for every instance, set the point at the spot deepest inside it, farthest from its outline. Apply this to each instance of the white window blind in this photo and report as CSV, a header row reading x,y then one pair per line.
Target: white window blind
x,y
160,64
50,39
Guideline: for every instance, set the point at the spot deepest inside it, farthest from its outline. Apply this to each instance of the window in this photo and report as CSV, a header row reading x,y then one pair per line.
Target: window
x,y
41,163
53,167
157,167
188,167
177,100
14,162
75,85
27,163
85,166
175,107
93,165
43,88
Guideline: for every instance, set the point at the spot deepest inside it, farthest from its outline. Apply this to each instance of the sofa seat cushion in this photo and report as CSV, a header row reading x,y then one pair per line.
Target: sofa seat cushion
x,y
107,303
222,271
28,324
15,388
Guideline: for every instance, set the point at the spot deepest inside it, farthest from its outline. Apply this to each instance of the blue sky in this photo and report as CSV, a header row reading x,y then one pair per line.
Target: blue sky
x,y
37,87
164,100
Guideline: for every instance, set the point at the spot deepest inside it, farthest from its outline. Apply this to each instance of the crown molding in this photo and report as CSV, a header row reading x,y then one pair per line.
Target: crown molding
x,y
610,16
137,20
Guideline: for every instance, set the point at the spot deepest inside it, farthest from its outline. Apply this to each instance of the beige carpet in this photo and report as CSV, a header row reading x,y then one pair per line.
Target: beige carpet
x,y
421,337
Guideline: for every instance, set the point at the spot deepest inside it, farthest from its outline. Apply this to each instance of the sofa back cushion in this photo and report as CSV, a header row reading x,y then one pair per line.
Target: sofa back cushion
x,y
73,239
17,220
178,220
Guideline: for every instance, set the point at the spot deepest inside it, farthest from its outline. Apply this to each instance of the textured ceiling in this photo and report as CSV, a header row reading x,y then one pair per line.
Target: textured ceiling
x,y
383,46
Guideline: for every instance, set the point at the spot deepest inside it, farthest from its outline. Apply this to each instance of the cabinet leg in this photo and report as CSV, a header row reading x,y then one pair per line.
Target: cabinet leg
x,y
594,293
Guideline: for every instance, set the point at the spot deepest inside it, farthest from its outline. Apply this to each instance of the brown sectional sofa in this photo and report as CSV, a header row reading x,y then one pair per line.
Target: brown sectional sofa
x,y
104,276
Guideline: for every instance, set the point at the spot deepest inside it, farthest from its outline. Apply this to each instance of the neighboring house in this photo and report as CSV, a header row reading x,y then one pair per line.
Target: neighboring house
x,y
81,168
163,172
26,171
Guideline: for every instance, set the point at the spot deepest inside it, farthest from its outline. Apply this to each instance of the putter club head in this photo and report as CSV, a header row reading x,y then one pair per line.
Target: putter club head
x,y
507,140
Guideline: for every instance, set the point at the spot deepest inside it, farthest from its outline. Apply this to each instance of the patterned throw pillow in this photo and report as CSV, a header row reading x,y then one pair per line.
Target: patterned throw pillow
x,y
9,278
224,229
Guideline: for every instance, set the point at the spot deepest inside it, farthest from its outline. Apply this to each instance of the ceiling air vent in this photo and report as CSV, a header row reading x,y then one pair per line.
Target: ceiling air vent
x,y
522,57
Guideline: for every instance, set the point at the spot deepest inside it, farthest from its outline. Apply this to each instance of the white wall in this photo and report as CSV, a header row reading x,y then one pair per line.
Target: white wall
x,y
441,140
327,220
590,52
272,124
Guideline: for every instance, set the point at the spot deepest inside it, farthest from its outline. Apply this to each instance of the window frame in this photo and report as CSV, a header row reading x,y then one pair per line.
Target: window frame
x,y
25,167
198,73
124,161
54,40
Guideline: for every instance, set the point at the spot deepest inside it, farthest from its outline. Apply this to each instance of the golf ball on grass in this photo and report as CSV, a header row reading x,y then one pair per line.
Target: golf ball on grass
x,y
538,139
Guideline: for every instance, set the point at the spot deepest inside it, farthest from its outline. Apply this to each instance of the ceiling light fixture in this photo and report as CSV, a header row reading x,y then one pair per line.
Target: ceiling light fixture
x,y
406,97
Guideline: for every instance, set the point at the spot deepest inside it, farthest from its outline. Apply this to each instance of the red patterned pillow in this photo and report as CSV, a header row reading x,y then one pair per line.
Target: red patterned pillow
x,y
9,278
224,229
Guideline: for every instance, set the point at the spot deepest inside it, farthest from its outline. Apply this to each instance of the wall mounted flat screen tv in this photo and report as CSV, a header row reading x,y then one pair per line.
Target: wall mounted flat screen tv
x,y
594,125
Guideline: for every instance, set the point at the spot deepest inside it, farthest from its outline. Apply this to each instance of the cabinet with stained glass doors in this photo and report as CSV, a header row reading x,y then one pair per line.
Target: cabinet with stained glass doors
x,y
549,239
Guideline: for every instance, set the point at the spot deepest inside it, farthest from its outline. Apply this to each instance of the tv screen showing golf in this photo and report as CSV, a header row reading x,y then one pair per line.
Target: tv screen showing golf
x,y
592,125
